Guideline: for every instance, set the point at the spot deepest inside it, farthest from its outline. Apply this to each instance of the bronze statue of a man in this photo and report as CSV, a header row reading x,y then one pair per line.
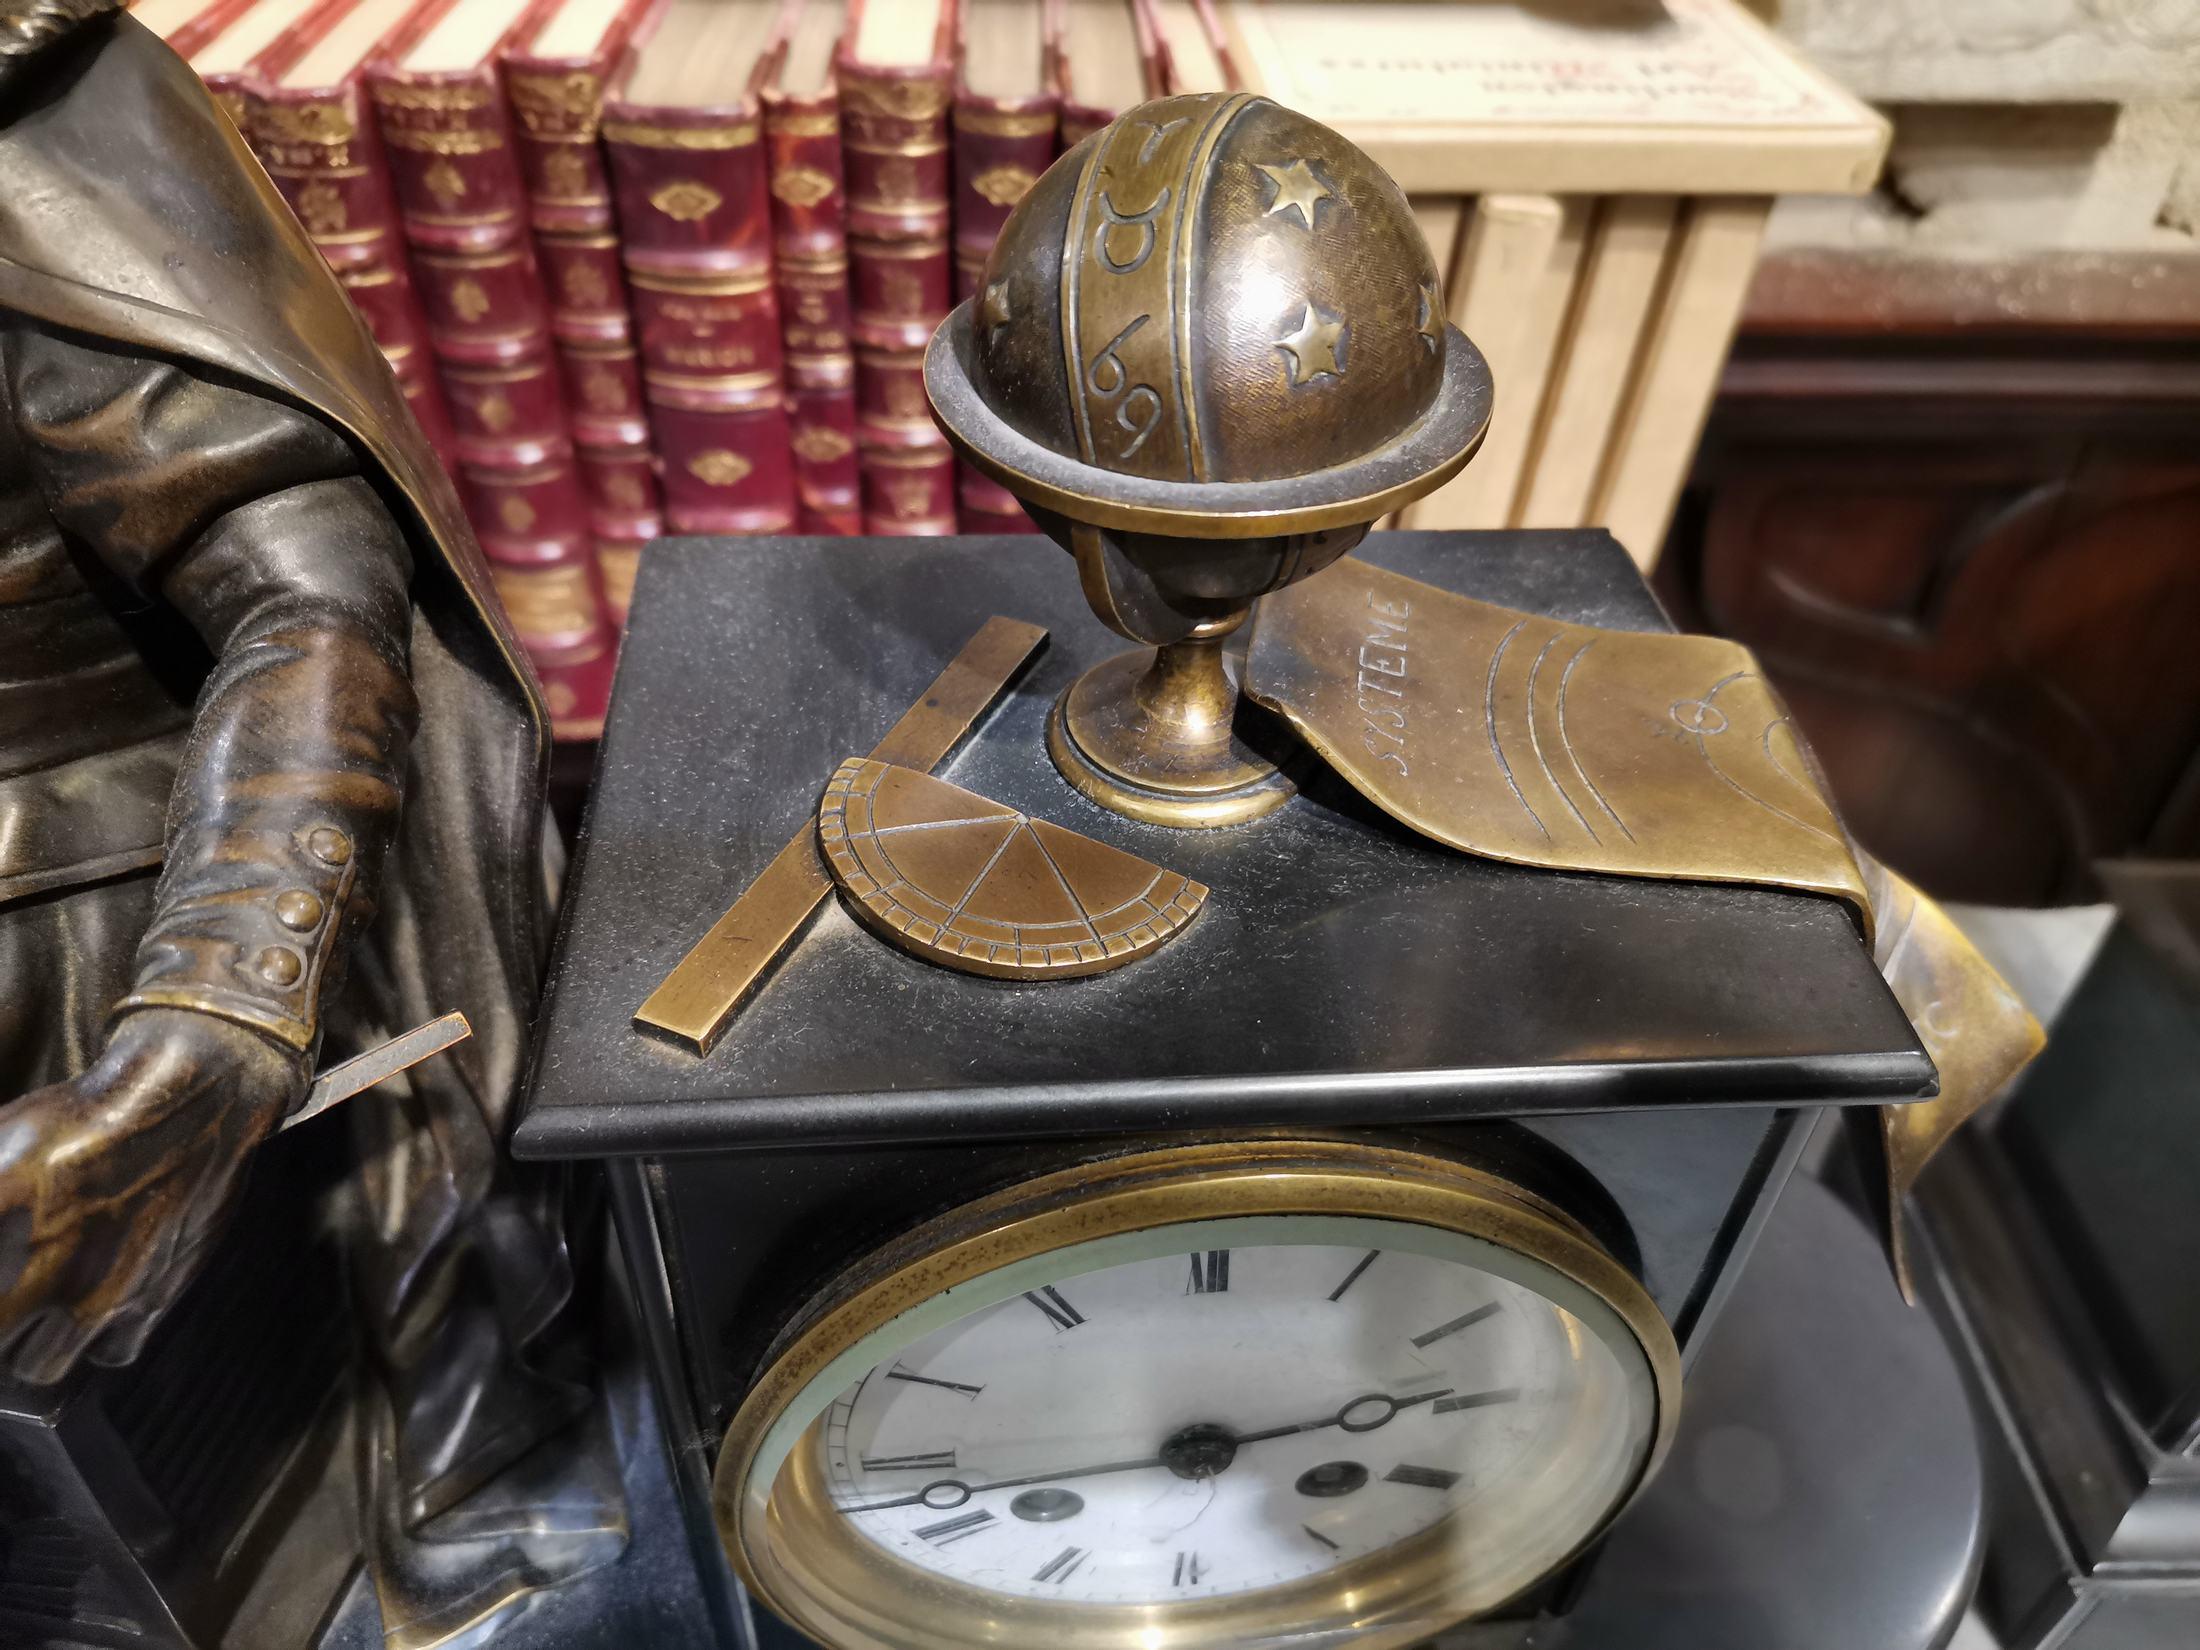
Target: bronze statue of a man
x,y
271,765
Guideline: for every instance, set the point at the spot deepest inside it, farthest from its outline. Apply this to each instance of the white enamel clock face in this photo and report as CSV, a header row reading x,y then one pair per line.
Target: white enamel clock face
x,y
1211,1422
1229,1396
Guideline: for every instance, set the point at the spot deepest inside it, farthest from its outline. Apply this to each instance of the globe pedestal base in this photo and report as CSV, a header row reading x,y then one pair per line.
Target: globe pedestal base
x,y
1151,736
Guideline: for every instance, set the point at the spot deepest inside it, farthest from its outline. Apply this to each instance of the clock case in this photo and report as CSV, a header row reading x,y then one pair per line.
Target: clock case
x,y
1649,1056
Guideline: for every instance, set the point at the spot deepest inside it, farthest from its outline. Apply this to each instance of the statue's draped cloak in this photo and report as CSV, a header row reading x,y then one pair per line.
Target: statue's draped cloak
x,y
132,213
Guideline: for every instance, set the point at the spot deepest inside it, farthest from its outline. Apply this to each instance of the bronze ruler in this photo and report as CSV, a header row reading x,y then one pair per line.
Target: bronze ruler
x,y
698,997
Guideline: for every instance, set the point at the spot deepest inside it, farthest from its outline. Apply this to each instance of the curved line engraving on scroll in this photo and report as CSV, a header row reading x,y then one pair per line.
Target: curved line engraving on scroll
x,y
1703,749
1535,741
1566,740
1489,717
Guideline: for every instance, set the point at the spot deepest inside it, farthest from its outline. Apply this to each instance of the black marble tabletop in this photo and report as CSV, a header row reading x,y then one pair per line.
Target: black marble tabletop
x,y
1343,967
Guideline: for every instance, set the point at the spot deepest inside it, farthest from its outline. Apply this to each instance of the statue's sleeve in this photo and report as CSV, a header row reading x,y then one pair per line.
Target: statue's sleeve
x,y
255,522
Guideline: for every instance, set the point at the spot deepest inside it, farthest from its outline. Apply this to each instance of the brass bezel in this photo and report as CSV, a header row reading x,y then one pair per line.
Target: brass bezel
x,y
1403,1590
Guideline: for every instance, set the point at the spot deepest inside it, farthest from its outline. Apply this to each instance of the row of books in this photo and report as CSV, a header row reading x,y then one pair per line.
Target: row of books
x,y
671,265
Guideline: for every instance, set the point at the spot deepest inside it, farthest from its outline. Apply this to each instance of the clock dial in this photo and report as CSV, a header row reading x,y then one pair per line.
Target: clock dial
x,y
1216,1395
1215,1421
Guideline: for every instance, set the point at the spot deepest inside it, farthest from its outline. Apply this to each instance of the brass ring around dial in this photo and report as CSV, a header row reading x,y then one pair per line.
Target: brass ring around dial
x,y
798,1553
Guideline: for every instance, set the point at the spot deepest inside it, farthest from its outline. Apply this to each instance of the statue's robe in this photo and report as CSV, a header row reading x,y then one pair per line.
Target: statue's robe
x,y
210,489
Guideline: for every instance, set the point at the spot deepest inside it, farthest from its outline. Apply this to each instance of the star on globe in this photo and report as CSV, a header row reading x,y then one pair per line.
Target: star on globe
x,y
1209,353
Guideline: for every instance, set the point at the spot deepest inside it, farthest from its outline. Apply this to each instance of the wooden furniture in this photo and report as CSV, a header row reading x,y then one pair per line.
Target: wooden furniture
x,y
1956,510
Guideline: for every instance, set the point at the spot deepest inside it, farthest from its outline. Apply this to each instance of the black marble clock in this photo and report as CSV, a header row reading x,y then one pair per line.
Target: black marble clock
x,y
1336,1269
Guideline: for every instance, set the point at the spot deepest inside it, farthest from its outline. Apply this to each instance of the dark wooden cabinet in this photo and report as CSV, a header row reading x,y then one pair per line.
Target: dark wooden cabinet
x,y
1969,554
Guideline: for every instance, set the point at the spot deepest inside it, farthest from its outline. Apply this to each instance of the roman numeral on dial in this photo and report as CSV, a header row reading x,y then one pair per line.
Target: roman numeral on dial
x,y
903,1463
1059,1311
1353,1276
1210,1273
1477,1400
1421,1478
1062,1565
1465,1320
948,1531
963,1387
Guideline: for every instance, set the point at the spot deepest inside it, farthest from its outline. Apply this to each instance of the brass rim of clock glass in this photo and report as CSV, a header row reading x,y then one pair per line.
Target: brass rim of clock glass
x,y
1416,463
793,1550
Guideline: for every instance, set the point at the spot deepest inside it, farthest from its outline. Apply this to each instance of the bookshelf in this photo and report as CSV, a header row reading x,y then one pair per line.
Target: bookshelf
x,y
651,266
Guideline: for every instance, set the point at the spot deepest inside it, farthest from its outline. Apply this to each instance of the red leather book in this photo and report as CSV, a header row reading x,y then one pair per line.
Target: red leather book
x,y
532,525
619,550
558,611
896,84
442,118
287,71
554,85
454,158
621,486
539,504
810,249
684,130
1006,112
821,401
1106,59
908,484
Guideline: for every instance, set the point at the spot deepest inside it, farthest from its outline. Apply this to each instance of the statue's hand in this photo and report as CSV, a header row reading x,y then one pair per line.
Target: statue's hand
x,y
113,1183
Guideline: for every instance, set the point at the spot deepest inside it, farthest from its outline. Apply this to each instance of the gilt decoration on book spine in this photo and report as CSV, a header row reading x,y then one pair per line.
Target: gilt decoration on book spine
x,y
896,138
691,188
325,156
810,231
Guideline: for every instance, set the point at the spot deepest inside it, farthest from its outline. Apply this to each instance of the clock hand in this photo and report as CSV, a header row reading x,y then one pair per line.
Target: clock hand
x,y
923,1497
1345,1419
962,1492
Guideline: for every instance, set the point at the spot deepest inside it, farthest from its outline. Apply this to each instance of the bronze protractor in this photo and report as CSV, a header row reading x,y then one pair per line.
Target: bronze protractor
x,y
974,884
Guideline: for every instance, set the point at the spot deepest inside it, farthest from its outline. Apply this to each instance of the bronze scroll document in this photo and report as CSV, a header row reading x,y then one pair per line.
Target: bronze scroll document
x,y
1524,739
1574,748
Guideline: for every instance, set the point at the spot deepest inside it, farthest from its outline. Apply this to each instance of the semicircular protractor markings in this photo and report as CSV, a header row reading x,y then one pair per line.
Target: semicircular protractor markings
x,y
974,884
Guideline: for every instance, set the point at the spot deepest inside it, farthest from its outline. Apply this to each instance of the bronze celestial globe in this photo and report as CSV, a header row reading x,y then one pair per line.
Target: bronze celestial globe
x,y
1208,352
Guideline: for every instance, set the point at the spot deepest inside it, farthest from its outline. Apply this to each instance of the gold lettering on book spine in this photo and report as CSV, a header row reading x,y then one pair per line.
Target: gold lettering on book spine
x,y
433,98
801,186
468,301
819,444
647,136
565,175
446,183
803,123
584,286
552,601
1004,123
321,209
686,201
719,467
1003,185
604,392
911,100
468,142
557,104
314,123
